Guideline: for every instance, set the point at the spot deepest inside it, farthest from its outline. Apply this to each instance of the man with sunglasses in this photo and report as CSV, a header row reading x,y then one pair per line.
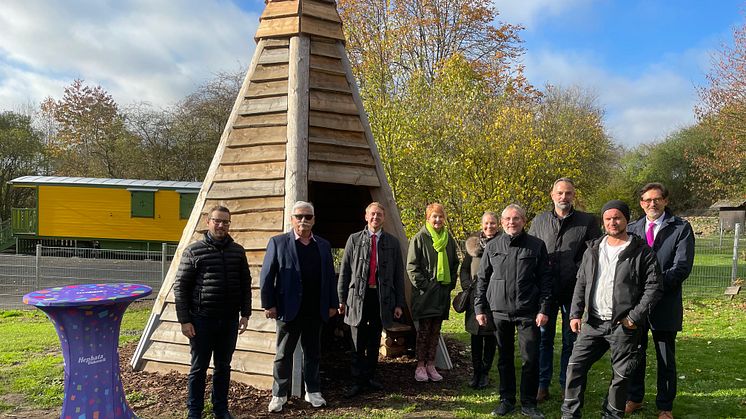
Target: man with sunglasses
x,y
213,285
672,239
298,289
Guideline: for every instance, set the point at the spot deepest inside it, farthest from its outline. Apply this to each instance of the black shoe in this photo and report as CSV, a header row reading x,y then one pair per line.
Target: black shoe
x,y
353,391
474,383
503,408
484,380
224,415
532,412
375,385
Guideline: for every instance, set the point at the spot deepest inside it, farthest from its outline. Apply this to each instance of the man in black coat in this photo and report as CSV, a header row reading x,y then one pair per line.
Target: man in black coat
x,y
565,232
617,285
672,239
371,294
213,285
514,287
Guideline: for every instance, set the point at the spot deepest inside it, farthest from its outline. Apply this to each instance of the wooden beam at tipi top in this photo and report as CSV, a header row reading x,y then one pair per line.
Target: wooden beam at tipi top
x,y
286,18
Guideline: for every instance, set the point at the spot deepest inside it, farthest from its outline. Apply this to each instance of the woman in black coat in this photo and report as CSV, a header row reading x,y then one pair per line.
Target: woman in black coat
x,y
483,340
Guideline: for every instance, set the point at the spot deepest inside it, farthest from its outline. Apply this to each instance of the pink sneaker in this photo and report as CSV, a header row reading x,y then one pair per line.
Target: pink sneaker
x,y
420,374
433,373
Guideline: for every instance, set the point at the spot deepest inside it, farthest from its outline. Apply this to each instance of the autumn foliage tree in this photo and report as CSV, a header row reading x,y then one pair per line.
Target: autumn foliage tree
x,y
721,166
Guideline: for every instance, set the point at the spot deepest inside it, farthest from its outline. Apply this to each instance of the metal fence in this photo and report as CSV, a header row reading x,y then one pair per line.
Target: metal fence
x,y
57,266
719,260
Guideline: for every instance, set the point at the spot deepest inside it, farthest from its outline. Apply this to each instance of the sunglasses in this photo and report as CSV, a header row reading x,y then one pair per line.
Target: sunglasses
x,y
299,217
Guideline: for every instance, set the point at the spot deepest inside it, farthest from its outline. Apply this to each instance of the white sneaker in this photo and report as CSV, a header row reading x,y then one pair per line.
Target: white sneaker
x,y
315,399
275,405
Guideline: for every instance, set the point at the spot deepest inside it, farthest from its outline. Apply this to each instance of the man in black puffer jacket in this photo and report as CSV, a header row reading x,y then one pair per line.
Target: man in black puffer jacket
x,y
213,285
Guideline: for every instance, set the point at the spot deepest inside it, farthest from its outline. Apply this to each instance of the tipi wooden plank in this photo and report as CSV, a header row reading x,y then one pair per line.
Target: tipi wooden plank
x,y
320,80
248,341
254,154
239,206
338,173
275,9
247,189
246,361
325,11
257,135
269,28
234,172
253,362
255,257
326,64
264,105
335,154
255,380
270,72
264,120
257,240
274,56
314,26
335,121
269,88
337,137
333,102
276,43
257,321
327,49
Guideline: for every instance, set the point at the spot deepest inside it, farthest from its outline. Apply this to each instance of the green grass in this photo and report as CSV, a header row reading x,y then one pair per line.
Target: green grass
x,y
31,363
711,365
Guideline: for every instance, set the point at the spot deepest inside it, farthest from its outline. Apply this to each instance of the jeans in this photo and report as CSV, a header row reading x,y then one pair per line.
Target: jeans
x,y
216,338
546,346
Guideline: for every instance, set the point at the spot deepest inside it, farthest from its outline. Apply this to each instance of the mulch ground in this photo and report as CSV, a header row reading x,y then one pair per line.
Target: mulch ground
x,y
164,395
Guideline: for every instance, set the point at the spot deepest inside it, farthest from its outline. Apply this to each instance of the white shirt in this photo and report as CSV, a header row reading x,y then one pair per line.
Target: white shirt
x,y
602,296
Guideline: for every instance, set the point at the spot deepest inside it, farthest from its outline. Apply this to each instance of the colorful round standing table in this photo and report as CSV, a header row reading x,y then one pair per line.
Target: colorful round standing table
x,y
87,318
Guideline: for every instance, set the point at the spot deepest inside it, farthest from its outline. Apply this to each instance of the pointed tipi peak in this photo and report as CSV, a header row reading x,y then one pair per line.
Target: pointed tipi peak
x,y
286,18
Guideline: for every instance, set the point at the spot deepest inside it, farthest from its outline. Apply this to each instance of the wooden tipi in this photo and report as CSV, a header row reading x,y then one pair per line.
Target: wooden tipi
x,y
297,131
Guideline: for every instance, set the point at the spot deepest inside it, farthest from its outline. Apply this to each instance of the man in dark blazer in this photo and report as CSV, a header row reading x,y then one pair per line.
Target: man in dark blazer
x,y
298,288
371,293
672,239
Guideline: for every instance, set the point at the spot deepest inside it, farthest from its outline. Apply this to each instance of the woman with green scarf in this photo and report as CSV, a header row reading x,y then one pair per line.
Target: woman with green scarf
x,y
432,265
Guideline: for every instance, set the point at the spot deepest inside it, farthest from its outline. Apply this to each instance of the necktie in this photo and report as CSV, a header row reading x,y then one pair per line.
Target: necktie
x,y
373,260
649,235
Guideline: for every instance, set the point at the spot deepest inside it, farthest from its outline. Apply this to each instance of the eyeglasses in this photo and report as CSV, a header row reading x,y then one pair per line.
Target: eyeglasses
x,y
218,221
652,200
299,217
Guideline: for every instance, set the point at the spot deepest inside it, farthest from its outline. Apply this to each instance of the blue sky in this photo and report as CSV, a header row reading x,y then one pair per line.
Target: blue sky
x,y
641,59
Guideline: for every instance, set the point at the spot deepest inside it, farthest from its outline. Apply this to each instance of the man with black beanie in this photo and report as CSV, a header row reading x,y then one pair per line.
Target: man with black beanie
x,y
617,284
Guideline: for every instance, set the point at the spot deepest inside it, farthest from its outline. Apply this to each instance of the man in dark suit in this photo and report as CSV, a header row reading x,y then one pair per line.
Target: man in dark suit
x,y
672,239
371,293
298,288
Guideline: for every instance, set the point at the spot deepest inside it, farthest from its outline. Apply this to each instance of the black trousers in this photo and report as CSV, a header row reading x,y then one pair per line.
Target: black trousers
x,y
366,339
528,343
665,353
215,338
307,328
483,348
595,338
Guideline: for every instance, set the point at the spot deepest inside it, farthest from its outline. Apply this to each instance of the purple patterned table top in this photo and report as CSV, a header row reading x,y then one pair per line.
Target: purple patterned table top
x,y
86,294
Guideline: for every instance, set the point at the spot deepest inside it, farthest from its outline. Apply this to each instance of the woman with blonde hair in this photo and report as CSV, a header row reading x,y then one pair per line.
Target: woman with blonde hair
x,y
432,265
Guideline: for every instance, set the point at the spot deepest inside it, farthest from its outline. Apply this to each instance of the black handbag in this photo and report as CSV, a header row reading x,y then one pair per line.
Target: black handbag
x,y
462,299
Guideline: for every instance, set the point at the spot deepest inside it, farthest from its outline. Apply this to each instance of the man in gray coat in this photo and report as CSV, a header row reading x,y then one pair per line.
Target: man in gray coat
x,y
565,232
672,239
371,293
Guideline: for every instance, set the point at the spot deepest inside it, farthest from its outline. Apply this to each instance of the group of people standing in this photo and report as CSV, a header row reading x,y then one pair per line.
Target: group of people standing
x,y
605,288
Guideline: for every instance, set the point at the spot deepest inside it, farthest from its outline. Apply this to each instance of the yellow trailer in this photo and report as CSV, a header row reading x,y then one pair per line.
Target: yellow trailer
x,y
107,213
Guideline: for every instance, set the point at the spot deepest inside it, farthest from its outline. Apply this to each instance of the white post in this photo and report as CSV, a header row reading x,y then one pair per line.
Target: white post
x,y
37,263
734,270
164,265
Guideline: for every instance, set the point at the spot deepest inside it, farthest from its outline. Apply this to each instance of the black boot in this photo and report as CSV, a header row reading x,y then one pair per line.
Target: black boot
x,y
475,378
484,379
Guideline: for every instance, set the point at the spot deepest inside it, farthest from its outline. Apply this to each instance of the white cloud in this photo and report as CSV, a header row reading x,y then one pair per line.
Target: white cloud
x,y
529,12
639,109
155,51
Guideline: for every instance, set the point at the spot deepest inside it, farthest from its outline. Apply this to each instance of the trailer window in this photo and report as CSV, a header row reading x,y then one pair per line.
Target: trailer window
x,y
186,203
143,204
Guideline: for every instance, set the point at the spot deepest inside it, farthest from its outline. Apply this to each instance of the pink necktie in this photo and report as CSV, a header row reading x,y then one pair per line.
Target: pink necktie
x,y
373,260
649,235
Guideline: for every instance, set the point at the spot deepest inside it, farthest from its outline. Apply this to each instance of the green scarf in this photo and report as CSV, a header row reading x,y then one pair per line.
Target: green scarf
x,y
440,240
